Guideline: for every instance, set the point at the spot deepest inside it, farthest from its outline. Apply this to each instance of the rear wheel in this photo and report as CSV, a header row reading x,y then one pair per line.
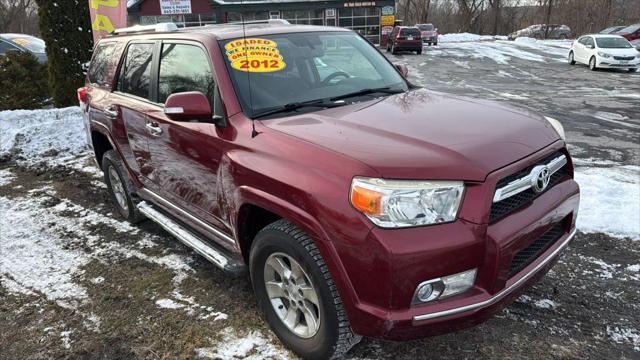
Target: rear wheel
x,y
297,294
419,51
120,187
571,59
592,64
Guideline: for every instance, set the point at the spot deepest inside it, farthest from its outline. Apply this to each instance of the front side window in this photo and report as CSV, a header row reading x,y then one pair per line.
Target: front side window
x,y
276,70
613,43
135,76
184,68
6,47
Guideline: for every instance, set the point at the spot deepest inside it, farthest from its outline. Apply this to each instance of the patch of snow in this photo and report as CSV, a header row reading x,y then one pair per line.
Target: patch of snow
x,y
615,118
624,335
545,304
34,257
253,346
524,39
66,341
462,64
168,304
6,177
464,37
98,280
52,136
633,268
610,200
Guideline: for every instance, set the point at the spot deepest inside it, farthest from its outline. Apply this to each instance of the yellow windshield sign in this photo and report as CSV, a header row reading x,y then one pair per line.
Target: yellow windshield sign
x,y
254,55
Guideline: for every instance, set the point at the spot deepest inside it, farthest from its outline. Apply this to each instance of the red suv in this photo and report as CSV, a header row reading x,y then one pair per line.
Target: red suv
x,y
429,33
404,38
358,203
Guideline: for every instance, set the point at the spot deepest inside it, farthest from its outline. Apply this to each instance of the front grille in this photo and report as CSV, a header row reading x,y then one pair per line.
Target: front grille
x,y
527,255
624,57
503,208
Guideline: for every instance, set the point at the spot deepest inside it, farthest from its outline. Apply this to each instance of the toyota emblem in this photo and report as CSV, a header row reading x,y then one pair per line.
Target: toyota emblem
x,y
540,177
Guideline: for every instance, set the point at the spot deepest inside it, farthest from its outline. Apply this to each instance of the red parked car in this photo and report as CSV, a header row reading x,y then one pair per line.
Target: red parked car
x,y
405,38
358,203
429,33
631,32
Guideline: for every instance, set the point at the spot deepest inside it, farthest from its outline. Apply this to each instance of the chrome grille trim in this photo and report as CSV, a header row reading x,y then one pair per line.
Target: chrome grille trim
x,y
525,182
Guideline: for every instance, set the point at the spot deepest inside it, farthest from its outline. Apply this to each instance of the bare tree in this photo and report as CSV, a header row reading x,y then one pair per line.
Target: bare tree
x,y
18,16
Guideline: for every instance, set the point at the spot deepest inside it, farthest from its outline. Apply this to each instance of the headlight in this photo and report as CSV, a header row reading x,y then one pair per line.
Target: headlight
x,y
603,54
404,203
557,126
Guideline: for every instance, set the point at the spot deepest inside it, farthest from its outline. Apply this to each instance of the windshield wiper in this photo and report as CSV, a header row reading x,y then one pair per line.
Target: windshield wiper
x,y
320,103
384,90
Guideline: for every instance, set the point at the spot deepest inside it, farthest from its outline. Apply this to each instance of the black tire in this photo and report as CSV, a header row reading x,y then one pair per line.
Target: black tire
x,y
572,61
592,64
334,336
111,161
633,69
435,43
419,51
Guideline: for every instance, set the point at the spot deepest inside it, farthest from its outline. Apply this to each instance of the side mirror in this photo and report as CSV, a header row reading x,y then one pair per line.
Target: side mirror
x,y
591,46
192,105
404,71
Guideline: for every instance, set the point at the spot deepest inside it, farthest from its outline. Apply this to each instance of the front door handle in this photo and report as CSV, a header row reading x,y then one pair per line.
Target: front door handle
x,y
154,129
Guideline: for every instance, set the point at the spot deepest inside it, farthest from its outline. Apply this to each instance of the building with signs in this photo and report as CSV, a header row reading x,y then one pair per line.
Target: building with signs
x,y
373,19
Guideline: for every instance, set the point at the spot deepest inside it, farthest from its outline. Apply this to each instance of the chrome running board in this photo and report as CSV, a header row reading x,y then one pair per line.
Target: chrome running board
x,y
217,257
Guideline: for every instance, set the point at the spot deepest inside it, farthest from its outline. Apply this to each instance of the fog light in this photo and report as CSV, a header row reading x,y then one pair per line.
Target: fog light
x,y
444,287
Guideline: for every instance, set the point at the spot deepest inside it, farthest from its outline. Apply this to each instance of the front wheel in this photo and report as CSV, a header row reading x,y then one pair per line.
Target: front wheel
x,y
592,64
297,294
572,61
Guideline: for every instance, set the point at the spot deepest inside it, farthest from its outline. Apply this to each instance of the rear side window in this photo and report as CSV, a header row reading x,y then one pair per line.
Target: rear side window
x,y
103,64
135,76
184,68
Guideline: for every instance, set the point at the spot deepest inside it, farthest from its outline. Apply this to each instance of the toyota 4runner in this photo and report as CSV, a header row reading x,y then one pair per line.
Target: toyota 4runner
x,y
358,203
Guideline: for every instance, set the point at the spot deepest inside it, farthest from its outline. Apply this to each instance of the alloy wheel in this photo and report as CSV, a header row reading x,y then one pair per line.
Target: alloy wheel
x,y
118,188
292,295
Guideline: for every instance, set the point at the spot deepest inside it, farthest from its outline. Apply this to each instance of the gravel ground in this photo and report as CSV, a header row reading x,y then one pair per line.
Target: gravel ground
x,y
78,282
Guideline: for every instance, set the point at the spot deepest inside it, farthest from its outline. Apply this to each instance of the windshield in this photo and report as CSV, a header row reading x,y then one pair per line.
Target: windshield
x,y
30,43
425,27
630,29
272,71
612,43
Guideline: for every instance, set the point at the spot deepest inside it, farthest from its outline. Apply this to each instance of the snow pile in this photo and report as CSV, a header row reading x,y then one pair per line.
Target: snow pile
x,y
53,136
610,200
252,346
622,335
525,39
463,37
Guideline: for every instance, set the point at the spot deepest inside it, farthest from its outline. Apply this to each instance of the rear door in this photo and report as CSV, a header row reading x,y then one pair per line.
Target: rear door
x,y
185,155
130,103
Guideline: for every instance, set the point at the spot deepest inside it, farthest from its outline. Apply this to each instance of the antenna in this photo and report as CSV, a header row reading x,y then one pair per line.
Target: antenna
x,y
254,132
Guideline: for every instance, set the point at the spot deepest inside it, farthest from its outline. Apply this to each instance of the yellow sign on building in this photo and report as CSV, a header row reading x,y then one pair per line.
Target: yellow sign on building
x,y
387,20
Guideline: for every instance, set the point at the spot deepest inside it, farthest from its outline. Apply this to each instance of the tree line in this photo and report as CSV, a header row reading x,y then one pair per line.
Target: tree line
x,y
501,17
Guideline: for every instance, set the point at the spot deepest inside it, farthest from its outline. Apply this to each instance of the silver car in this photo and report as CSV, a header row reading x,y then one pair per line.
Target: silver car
x,y
543,31
23,43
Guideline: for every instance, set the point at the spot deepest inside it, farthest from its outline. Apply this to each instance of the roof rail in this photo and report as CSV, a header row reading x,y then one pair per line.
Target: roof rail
x,y
269,21
161,27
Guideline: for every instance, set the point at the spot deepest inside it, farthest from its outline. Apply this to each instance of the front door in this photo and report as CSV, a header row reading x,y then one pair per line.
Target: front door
x,y
185,155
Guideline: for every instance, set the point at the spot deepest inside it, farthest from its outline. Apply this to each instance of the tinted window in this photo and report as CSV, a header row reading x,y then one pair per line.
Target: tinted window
x,y
184,68
136,72
613,43
30,43
425,27
102,63
410,32
4,46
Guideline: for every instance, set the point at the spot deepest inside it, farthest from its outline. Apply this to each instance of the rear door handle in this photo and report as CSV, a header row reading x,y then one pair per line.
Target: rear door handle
x,y
154,129
111,112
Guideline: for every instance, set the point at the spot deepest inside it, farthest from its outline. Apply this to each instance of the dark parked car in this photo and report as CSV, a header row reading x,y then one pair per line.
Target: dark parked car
x,y
23,43
543,32
405,38
611,30
358,203
429,33
630,33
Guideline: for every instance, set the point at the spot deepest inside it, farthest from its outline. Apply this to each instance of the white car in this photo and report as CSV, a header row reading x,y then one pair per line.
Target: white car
x,y
604,51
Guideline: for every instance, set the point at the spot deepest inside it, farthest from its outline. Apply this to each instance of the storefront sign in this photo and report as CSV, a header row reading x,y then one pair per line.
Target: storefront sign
x,y
387,20
175,7
254,55
360,4
106,16
386,30
388,10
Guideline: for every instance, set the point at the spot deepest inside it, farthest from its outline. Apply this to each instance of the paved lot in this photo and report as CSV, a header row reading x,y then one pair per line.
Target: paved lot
x,y
77,282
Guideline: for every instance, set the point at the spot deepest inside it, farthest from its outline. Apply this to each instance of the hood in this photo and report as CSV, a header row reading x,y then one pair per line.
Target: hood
x,y
424,135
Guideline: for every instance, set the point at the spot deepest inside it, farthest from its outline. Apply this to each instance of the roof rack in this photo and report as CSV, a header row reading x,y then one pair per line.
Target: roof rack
x,y
161,27
269,21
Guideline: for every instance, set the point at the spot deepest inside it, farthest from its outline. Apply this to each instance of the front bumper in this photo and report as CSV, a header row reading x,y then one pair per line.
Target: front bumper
x,y
403,258
613,64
